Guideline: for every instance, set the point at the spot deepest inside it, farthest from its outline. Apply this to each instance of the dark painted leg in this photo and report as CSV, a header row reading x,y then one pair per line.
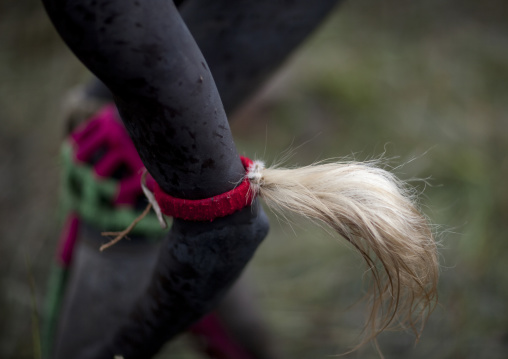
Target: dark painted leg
x,y
145,100
171,108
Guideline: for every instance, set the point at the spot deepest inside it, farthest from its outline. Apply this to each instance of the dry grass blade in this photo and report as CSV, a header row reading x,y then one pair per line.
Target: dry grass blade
x,y
126,231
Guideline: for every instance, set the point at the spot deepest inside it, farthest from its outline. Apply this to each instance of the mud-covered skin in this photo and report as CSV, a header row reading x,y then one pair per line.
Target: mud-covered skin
x,y
101,287
143,52
168,101
245,41
165,93
197,265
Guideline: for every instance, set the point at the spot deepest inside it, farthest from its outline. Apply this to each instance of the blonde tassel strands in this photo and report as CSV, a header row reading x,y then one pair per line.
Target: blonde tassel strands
x,y
376,213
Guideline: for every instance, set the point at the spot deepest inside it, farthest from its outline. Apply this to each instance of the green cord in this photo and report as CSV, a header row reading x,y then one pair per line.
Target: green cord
x,y
92,198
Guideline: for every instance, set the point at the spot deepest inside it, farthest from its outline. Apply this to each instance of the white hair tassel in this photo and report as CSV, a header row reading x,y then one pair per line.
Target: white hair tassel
x,y
377,214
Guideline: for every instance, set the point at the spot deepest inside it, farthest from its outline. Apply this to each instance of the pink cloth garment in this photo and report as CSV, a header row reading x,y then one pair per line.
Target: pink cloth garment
x,y
104,142
68,240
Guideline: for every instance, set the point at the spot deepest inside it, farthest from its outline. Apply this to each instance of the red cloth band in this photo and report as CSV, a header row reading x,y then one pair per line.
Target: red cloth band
x,y
209,208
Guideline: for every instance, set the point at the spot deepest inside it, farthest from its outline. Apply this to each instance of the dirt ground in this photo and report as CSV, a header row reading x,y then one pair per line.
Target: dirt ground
x,y
425,82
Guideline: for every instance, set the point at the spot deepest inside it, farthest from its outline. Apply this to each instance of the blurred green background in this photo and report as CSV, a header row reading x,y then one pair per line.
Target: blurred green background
x,y
425,82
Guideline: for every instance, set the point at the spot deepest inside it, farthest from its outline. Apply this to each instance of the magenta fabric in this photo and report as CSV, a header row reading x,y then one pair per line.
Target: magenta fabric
x,y
67,240
105,137
207,209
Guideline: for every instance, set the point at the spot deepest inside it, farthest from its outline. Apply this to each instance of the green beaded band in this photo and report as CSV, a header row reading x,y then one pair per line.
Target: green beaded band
x,y
92,198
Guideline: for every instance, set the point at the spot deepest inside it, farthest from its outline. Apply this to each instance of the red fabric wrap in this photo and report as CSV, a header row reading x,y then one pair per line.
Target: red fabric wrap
x,y
209,208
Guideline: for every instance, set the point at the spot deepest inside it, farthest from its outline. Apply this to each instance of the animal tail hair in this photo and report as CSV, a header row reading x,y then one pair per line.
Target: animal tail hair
x,y
377,213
